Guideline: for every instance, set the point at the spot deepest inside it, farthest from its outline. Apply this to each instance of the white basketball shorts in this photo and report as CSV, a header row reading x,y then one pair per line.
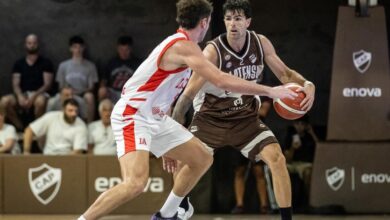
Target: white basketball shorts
x,y
134,131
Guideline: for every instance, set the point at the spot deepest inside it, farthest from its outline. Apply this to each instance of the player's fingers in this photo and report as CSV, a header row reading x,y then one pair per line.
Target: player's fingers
x,y
164,164
291,95
308,105
304,101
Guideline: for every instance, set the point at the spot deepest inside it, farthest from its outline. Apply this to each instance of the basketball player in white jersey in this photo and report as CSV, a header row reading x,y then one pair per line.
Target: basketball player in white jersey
x,y
139,119
229,118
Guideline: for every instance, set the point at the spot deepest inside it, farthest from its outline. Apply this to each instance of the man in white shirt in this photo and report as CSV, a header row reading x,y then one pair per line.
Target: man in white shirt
x,y
100,137
8,137
65,132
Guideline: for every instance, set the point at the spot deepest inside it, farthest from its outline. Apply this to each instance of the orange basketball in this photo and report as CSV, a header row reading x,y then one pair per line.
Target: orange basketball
x,y
289,108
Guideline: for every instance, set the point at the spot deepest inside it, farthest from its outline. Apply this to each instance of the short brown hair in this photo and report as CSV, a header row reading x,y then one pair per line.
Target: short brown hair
x,y
190,12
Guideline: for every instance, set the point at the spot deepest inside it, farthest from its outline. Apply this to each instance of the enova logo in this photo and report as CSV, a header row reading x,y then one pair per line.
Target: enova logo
x,y
362,92
154,184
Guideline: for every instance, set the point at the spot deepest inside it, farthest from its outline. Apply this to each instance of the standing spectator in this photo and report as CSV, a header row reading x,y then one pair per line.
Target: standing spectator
x,y
32,77
119,70
65,132
101,139
301,144
8,137
80,74
55,103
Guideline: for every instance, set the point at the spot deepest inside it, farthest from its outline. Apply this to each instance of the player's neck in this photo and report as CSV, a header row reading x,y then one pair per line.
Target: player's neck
x,y
236,43
192,35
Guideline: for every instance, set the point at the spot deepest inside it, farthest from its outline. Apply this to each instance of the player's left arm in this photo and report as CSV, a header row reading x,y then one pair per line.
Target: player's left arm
x,y
287,75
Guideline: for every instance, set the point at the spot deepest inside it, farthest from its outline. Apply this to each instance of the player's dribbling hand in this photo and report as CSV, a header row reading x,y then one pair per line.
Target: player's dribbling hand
x,y
309,89
282,92
169,164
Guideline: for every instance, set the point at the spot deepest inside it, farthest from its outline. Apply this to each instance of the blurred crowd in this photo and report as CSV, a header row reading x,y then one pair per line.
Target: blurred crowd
x,y
65,110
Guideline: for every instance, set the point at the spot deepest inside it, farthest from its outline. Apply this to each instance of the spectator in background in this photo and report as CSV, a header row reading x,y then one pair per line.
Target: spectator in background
x,y
80,74
55,103
65,132
119,70
100,137
8,136
242,171
301,144
32,77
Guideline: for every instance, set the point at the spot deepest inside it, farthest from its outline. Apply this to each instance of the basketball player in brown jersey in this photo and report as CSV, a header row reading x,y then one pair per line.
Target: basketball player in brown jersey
x,y
224,118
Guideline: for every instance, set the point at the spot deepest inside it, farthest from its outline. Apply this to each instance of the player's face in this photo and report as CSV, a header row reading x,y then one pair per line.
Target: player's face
x,y
236,24
70,113
205,24
77,50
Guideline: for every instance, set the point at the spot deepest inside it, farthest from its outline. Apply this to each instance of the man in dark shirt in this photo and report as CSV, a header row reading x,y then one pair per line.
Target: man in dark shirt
x,y
301,143
118,70
32,77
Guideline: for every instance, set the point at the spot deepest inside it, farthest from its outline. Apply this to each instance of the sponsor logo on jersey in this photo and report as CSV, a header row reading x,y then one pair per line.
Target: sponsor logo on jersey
x,y
228,65
194,129
253,58
238,102
227,57
45,182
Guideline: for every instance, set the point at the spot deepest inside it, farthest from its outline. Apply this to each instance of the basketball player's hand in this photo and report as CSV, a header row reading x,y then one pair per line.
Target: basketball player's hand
x,y
281,92
309,89
169,164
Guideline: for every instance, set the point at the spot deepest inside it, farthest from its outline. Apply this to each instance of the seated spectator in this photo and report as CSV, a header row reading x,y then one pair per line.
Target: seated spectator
x,y
80,74
301,144
55,103
101,139
119,70
32,77
8,136
64,132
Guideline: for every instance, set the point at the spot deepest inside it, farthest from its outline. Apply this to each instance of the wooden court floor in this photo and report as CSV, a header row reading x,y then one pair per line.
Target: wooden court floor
x,y
200,217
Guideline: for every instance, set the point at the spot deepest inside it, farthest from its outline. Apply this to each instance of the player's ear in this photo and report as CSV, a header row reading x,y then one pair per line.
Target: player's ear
x,y
248,22
204,22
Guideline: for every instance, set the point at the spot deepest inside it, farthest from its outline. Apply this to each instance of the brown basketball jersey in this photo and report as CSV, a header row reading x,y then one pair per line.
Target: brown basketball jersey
x,y
213,102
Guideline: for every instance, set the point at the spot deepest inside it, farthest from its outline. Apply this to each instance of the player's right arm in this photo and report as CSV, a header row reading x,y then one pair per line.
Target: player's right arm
x,y
196,82
189,53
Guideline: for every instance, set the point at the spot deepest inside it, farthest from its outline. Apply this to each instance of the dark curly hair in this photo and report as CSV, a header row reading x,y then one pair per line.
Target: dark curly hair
x,y
190,12
237,6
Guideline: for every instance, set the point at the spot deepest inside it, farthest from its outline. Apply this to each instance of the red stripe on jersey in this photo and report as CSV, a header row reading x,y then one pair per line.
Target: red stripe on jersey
x,y
183,32
167,47
137,99
128,131
157,77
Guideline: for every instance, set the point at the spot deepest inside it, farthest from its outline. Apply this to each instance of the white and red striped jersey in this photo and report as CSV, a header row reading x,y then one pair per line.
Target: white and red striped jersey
x,y
152,90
